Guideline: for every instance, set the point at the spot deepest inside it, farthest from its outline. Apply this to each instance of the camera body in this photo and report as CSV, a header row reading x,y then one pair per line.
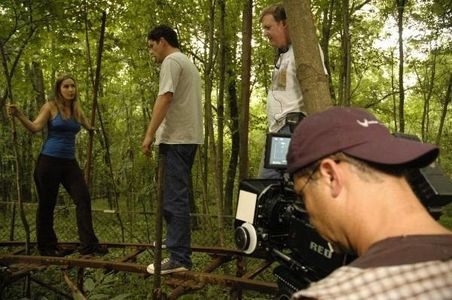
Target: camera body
x,y
271,221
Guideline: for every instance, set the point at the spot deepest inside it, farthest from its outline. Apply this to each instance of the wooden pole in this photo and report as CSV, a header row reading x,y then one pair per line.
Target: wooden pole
x,y
23,217
157,291
95,94
22,214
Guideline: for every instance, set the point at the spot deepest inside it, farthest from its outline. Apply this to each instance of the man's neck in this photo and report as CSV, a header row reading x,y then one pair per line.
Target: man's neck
x,y
284,49
171,50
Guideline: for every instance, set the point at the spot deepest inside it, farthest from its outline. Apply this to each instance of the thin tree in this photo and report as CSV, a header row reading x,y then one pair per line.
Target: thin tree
x,y
209,119
346,63
394,92
95,95
400,10
447,100
235,140
310,72
9,73
114,204
220,101
327,22
246,78
427,86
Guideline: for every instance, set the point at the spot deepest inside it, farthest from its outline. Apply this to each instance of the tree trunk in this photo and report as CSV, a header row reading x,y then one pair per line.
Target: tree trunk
x,y
100,50
427,91
310,72
447,101
394,92
235,143
220,101
37,79
400,9
9,73
328,14
245,99
38,84
209,121
345,79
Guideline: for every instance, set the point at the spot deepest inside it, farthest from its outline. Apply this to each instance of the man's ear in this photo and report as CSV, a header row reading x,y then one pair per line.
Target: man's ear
x,y
329,170
161,40
284,23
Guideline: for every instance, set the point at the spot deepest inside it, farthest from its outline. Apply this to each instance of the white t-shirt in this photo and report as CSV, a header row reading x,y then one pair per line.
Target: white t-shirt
x,y
285,92
183,123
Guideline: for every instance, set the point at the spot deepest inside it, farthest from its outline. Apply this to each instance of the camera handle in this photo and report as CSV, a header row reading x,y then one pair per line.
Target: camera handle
x,y
293,264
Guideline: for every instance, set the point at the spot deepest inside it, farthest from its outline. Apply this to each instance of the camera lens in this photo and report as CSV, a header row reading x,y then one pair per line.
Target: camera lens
x,y
246,238
242,238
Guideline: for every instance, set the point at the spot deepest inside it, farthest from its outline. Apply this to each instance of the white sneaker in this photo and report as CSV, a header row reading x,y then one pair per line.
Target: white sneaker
x,y
167,267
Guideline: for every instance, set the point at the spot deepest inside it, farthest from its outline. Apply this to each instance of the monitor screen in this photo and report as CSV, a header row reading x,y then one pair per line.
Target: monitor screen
x,y
276,149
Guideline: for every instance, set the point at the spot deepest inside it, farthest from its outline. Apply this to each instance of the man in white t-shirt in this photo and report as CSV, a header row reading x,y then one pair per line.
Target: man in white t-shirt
x,y
284,96
176,126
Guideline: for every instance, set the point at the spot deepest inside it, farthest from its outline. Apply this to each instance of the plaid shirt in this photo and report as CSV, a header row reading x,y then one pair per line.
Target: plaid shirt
x,y
427,280
406,267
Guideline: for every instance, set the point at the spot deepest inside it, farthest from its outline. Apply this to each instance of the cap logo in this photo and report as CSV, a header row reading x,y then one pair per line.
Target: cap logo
x,y
366,123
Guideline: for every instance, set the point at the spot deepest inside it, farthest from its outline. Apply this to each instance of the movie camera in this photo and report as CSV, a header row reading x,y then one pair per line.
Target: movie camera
x,y
271,222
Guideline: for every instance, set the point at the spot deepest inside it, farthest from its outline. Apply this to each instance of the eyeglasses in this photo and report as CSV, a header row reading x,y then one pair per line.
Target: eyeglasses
x,y
310,177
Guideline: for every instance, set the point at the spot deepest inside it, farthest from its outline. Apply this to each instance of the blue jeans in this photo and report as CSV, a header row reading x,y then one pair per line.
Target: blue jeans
x,y
176,202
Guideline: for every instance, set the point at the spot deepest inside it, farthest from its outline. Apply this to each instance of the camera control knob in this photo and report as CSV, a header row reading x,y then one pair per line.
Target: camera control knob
x,y
246,238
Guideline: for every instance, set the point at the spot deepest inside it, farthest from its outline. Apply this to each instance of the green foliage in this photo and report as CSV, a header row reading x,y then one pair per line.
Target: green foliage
x,y
446,217
99,286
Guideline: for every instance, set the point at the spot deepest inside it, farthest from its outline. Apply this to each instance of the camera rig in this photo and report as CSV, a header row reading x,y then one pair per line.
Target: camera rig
x,y
271,222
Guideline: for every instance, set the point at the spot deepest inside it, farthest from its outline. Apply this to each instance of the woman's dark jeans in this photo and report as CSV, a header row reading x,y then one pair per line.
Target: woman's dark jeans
x,y
49,173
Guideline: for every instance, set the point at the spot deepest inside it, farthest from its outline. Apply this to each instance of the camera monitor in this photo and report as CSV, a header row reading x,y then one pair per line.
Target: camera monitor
x,y
276,147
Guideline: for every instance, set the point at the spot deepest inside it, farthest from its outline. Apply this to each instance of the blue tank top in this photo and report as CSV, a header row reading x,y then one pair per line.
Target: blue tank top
x,y
60,140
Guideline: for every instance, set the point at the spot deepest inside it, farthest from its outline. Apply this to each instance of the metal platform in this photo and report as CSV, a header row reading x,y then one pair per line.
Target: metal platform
x,y
15,265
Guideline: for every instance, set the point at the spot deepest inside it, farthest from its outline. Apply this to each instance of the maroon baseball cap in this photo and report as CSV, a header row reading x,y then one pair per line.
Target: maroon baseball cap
x,y
357,133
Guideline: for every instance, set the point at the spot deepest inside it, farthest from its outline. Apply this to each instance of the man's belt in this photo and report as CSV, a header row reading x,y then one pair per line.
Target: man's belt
x,y
293,118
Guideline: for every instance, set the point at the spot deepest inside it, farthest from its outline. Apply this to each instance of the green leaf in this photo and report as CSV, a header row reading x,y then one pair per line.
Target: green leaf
x,y
77,295
99,296
122,296
89,284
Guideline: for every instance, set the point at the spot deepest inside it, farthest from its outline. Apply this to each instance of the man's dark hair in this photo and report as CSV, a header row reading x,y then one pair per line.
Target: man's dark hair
x,y
276,10
166,32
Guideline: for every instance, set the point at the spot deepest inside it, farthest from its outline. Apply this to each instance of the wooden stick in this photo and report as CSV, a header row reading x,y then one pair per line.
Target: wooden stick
x,y
94,106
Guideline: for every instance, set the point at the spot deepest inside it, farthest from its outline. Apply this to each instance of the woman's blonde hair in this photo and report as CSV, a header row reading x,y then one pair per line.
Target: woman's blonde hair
x,y
58,98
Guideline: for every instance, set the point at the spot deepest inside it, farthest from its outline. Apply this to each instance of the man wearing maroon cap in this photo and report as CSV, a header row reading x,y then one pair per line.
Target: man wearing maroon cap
x,y
350,171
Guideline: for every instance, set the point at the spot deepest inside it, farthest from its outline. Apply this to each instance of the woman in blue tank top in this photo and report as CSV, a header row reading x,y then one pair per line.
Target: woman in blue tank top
x,y
57,165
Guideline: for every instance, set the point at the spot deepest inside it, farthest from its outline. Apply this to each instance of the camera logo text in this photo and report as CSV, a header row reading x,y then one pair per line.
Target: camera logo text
x,y
321,250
